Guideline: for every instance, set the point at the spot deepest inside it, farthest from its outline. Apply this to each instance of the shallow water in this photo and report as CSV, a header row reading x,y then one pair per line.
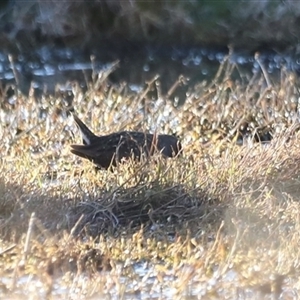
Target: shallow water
x,y
144,284
46,67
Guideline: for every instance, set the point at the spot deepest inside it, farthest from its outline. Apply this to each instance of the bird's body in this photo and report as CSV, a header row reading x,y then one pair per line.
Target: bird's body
x,y
107,150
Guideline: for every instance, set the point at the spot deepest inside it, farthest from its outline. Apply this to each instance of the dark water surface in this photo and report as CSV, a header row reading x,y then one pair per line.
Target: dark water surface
x,y
47,67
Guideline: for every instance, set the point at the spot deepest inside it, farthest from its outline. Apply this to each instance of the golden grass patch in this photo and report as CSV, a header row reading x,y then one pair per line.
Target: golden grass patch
x,y
221,219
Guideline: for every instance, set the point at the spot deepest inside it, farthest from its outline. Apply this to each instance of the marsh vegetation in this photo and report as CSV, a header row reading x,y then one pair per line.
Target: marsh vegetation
x,y
220,220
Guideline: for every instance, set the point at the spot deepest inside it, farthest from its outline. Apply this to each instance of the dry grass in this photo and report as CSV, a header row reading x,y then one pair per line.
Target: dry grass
x,y
222,219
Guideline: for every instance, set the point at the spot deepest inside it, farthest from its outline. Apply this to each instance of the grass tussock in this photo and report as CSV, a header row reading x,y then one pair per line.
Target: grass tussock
x,y
221,219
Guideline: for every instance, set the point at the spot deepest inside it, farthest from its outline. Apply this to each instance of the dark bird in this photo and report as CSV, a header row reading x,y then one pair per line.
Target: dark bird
x,y
107,150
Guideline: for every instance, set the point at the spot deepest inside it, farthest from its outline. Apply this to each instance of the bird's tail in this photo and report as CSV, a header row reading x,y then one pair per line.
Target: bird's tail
x,y
87,135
